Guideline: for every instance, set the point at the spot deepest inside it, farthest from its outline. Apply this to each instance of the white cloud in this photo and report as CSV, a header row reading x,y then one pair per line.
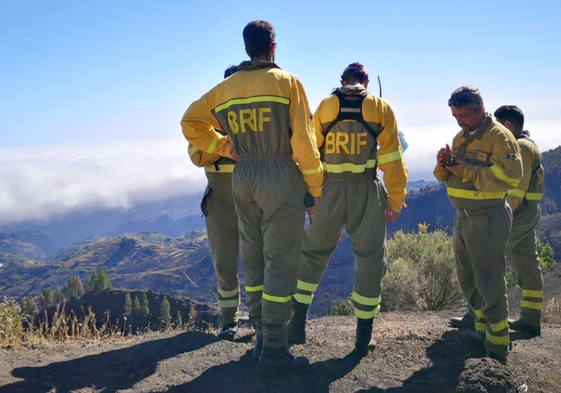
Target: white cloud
x,y
40,182
425,141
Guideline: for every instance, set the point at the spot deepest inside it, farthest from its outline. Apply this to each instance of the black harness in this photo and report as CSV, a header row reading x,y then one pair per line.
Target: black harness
x,y
350,108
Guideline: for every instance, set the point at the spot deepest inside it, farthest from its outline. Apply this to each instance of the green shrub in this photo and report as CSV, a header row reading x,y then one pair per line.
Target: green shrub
x,y
11,329
422,272
342,309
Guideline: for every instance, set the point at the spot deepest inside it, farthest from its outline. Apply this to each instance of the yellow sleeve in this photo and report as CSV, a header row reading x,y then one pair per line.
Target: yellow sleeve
x,y
199,158
304,148
516,195
318,124
505,171
199,127
390,161
441,173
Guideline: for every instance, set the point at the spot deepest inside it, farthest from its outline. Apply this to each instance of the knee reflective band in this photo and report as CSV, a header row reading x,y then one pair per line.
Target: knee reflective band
x,y
227,294
228,303
530,304
304,299
497,340
480,321
254,289
366,302
277,299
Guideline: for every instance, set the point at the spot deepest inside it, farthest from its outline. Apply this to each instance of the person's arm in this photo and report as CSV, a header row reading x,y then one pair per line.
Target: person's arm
x,y
304,148
505,172
199,158
390,160
516,195
199,127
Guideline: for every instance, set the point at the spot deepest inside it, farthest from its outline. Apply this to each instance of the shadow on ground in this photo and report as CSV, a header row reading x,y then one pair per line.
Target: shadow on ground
x,y
107,371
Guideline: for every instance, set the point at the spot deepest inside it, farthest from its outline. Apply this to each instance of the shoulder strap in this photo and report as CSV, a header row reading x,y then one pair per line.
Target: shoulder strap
x,y
350,108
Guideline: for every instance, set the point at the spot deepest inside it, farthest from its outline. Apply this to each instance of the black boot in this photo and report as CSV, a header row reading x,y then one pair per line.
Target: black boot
x,y
465,322
522,326
297,323
364,341
276,362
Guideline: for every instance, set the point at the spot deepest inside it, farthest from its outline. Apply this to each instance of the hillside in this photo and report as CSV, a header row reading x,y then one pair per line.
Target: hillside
x,y
417,353
179,265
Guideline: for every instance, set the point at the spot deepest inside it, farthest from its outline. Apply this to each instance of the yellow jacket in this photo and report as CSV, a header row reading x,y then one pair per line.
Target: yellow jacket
x,y
349,147
532,186
494,166
265,112
211,162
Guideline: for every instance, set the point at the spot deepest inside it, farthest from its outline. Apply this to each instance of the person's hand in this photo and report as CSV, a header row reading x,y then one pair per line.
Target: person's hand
x,y
311,210
391,216
458,168
444,156
232,150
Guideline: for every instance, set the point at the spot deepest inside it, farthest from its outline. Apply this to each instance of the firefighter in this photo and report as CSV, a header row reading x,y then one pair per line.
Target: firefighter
x,y
266,114
483,164
357,133
522,251
222,231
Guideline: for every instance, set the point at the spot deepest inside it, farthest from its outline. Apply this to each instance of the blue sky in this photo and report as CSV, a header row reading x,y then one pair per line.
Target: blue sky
x,y
95,72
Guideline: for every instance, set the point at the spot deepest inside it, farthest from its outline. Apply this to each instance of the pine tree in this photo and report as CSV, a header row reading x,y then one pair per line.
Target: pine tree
x,y
136,312
46,299
28,306
178,319
144,310
74,287
128,306
97,281
57,296
165,313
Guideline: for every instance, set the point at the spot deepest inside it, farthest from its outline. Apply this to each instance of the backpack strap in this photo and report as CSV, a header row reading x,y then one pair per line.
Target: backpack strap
x,y
350,108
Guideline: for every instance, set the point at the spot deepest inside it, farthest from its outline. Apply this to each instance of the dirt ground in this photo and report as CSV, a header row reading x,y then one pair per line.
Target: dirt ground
x,y
416,352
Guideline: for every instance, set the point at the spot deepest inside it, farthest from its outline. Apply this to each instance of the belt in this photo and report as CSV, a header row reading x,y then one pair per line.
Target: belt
x,y
483,210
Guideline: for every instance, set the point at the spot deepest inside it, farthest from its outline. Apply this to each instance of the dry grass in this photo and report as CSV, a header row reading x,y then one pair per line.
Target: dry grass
x,y
17,329
552,312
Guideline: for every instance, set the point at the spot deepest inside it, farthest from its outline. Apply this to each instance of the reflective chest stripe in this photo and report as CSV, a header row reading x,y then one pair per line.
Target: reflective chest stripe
x,y
349,167
477,195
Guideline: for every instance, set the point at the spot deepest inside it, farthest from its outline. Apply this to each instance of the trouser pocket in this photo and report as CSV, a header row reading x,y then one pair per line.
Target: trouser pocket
x,y
204,202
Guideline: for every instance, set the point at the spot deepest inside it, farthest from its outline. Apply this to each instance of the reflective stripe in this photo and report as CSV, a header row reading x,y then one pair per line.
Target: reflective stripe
x,y
227,168
238,101
349,167
498,172
468,194
306,286
213,145
366,314
479,314
530,293
532,305
497,340
304,299
516,193
228,303
497,327
480,326
534,196
193,150
254,289
310,171
276,299
366,301
389,157
231,293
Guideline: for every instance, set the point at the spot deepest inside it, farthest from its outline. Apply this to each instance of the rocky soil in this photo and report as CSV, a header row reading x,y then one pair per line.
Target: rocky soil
x,y
416,352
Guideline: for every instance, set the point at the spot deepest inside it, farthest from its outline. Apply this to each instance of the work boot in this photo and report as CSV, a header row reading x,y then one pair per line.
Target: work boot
x,y
522,326
297,323
364,341
465,322
499,358
258,347
228,332
275,362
